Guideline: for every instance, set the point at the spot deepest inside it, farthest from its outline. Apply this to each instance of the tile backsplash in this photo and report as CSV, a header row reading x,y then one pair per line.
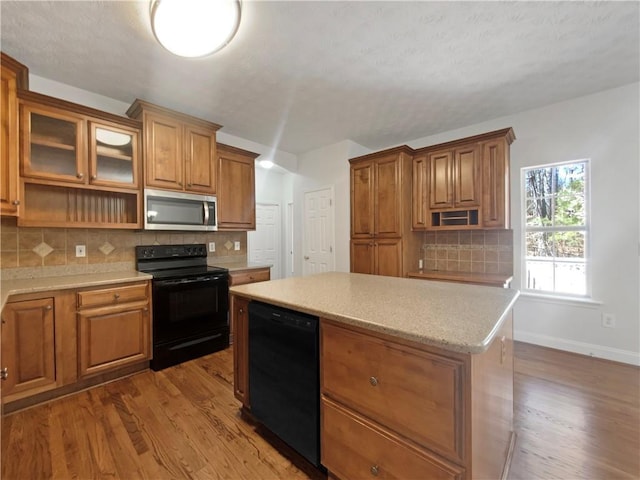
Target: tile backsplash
x,y
38,248
477,251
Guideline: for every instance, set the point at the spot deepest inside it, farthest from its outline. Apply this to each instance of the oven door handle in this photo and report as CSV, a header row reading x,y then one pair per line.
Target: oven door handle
x,y
184,281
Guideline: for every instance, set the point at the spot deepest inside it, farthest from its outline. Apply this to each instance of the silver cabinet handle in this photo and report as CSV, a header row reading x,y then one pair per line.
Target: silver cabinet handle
x,y
4,373
16,202
373,381
375,470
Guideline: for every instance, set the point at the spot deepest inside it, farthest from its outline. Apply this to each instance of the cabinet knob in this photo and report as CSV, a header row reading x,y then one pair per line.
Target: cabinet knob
x,y
16,202
188,184
4,373
375,470
145,309
48,307
116,296
94,177
373,381
80,175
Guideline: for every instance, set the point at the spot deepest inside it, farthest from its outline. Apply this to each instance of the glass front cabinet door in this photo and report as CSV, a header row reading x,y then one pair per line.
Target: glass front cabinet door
x,y
113,159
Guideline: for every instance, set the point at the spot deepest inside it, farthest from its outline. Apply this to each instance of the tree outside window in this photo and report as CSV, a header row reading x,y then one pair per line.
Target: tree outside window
x,y
555,228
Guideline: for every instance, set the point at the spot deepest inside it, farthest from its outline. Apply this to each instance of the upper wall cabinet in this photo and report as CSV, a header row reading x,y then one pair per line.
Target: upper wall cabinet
x,y
180,150
14,76
79,167
463,184
236,188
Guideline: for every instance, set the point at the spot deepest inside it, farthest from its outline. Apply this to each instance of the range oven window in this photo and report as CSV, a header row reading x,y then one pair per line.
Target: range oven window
x,y
189,306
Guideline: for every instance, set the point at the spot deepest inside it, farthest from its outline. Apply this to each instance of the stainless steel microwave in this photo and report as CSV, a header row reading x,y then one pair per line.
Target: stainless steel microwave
x,y
166,210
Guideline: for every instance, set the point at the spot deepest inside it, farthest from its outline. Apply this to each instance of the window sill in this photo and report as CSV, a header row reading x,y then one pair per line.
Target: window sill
x,y
559,299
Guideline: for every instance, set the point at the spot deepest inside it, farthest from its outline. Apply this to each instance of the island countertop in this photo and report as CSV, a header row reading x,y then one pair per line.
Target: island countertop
x,y
457,317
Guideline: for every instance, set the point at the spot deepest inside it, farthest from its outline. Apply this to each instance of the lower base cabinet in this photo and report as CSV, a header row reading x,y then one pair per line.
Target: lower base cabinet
x,y
62,341
240,330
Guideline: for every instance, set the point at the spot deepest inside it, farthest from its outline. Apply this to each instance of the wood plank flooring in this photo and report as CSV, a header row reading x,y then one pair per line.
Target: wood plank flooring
x,y
576,417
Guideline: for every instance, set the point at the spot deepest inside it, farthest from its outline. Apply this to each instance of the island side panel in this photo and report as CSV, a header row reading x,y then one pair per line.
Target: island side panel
x,y
240,329
492,406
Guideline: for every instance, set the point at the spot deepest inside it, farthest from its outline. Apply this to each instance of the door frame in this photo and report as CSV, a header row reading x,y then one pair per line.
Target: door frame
x,y
279,230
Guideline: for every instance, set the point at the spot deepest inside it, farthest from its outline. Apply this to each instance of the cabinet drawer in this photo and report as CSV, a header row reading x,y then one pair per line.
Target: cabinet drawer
x,y
250,276
112,296
414,393
353,447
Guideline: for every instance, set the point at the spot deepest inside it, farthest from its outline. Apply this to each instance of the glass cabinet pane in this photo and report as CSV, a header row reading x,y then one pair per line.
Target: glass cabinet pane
x,y
53,145
114,156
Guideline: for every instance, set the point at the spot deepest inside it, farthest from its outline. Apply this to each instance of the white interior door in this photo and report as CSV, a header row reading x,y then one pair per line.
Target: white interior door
x,y
318,252
264,243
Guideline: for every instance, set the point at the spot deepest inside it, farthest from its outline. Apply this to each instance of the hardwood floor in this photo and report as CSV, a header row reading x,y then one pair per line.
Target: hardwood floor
x,y
576,417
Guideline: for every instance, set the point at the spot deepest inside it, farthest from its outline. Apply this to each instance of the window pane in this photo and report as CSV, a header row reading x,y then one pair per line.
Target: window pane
x,y
538,182
539,212
540,275
569,244
539,244
571,278
569,210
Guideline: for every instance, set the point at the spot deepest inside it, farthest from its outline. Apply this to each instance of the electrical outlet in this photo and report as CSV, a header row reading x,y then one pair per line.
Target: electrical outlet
x,y
236,245
608,320
81,251
212,246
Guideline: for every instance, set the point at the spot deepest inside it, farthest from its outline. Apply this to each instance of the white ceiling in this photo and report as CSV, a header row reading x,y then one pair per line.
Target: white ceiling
x,y
301,75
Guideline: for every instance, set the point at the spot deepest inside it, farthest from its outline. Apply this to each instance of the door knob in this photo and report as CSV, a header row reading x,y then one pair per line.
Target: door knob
x,y
306,258
4,373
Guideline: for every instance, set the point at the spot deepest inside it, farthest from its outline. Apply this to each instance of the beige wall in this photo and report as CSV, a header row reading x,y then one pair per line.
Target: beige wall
x,y
29,247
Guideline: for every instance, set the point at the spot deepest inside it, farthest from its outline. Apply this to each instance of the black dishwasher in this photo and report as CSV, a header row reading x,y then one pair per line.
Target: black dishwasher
x,y
284,376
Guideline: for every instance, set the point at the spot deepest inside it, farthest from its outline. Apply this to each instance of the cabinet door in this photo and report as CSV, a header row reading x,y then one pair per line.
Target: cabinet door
x,y
28,347
362,256
113,155
362,200
440,179
419,209
9,144
467,177
388,257
240,331
112,337
388,208
163,152
236,192
495,185
200,159
53,144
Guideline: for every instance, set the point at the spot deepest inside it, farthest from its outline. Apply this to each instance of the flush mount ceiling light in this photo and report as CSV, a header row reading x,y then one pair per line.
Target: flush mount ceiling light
x,y
194,28
266,164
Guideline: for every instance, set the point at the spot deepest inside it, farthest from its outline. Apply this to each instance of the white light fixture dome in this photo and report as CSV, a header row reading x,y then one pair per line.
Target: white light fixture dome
x,y
194,28
266,164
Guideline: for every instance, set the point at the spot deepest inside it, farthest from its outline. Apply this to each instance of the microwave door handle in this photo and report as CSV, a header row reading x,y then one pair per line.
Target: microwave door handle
x,y
206,212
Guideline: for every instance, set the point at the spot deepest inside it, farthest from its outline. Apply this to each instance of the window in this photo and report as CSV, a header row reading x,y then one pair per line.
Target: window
x,y
555,228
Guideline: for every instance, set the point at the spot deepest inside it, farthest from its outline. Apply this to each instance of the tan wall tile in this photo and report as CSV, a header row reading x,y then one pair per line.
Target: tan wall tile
x,y
28,258
8,259
57,257
464,266
8,241
477,267
29,238
56,238
491,267
491,238
464,255
490,255
477,255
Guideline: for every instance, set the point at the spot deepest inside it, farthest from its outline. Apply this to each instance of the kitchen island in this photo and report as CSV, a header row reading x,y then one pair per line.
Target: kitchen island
x,y
416,377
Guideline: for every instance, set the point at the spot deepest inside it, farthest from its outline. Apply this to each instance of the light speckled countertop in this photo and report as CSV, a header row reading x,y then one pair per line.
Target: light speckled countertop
x,y
63,282
238,266
456,317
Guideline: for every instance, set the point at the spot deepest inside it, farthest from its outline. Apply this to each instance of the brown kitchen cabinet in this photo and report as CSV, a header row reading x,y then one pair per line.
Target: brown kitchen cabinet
x,y
38,345
240,331
381,213
236,188
180,150
14,76
380,256
242,276
463,184
80,167
395,409
114,328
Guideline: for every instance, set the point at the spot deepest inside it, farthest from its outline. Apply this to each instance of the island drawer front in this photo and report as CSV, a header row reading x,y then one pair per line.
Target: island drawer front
x,y
250,276
353,448
112,296
417,394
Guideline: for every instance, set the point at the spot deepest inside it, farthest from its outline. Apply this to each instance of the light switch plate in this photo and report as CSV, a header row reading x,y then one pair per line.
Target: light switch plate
x,y
212,246
236,245
81,251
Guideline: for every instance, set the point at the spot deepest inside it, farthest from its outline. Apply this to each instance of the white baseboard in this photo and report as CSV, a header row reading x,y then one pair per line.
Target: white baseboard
x,y
608,353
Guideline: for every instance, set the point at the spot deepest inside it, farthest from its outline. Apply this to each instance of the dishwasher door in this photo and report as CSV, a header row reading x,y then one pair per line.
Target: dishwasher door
x,y
284,376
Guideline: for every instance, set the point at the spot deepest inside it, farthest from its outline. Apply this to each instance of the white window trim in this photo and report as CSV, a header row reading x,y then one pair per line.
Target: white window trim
x,y
546,294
